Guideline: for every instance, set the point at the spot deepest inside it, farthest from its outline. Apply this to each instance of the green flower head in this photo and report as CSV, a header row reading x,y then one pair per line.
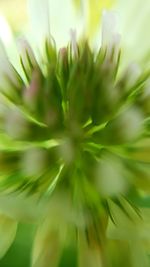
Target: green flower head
x,y
75,143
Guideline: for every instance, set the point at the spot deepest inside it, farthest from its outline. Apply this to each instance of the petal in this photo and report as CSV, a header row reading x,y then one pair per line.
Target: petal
x,y
55,18
47,246
136,233
94,14
93,11
8,228
108,36
89,256
136,36
129,225
8,47
22,207
5,31
110,177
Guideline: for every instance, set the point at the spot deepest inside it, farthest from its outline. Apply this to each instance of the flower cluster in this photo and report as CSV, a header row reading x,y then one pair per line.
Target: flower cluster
x,y
75,135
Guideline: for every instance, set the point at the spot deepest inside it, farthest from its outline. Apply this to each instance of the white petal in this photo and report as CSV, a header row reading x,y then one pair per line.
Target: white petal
x,y
39,18
7,40
8,229
134,20
111,38
109,27
55,18
5,32
74,41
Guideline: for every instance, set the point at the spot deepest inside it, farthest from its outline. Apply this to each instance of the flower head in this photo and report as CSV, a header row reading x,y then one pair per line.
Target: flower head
x,y
74,134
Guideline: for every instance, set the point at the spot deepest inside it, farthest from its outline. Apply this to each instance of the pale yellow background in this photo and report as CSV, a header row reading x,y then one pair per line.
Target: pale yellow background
x,y
15,12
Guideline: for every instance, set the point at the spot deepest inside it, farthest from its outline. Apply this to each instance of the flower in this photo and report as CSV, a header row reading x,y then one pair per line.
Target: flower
x,y
74,146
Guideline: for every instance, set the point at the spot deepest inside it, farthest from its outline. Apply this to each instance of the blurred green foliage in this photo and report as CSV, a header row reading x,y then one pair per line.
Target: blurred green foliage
x,y
19,253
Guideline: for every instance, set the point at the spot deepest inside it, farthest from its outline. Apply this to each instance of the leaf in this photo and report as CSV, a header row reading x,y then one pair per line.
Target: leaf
x,y
8,228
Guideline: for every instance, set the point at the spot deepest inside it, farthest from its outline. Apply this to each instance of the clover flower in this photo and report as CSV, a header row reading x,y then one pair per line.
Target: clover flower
x,y
74,152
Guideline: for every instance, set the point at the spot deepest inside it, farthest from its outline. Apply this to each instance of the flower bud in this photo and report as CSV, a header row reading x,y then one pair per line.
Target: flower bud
x,y
126,127
111,177
15,124
34,162
27,59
